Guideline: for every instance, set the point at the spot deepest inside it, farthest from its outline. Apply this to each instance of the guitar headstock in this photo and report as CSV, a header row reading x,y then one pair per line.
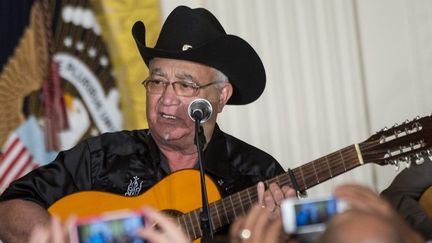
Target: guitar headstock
x,y
407,143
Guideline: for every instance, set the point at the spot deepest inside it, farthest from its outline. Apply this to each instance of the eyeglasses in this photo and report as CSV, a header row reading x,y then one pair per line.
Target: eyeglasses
x,y
181,88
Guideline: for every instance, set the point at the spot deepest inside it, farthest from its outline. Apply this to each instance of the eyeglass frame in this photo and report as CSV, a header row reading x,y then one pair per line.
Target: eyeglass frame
x,y
196,87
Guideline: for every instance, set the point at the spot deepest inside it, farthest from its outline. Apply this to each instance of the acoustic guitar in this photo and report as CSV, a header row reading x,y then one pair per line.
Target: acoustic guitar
x,y
179,194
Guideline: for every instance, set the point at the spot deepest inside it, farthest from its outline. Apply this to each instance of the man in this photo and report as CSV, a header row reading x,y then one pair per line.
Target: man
x,y
193,58
405,194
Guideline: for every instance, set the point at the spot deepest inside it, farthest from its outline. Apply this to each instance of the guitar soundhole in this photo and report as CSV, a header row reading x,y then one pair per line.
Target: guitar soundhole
x,y
172,212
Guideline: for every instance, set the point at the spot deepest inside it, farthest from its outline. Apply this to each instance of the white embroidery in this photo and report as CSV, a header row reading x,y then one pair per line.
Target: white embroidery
x,y
134,187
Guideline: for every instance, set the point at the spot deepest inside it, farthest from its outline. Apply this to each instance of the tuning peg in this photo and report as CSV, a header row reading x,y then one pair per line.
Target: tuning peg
x,y
417,126
419,159
382,139
396,164
429,154
408,164
395,125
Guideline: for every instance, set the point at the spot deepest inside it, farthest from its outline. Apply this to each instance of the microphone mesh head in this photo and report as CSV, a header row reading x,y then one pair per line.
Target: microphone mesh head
x,y
201,106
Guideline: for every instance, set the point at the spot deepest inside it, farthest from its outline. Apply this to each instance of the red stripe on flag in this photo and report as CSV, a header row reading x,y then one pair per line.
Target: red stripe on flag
x,y
6,172
24,168
10,148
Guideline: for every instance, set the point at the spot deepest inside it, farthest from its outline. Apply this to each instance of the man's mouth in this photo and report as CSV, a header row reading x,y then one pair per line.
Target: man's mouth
x,y
167,116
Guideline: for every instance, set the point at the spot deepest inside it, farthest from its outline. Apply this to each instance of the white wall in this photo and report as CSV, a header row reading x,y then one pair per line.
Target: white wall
x,y
337,71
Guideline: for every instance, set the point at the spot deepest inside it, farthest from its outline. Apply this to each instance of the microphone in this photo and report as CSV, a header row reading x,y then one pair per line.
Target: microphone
x,y
200,109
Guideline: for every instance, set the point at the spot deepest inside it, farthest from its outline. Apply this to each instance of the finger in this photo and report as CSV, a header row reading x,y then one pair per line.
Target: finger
x,y
151,235
288,192
260,192
68,225
260,218
273,233
57,234
363,198
276,192
269,201
235,229
167,228
39,235
161,219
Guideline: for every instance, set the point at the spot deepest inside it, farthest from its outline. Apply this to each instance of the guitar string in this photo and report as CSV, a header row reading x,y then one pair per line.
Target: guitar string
x,y
240,203
308,169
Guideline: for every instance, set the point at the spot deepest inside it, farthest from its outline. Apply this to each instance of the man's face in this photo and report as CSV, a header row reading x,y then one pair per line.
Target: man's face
x,y
167,113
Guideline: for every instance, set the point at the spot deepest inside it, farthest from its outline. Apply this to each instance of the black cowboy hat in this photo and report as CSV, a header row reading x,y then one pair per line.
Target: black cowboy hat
x,y
196,35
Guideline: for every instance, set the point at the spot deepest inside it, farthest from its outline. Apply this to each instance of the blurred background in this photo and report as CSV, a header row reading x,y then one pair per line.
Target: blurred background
x,y
337,72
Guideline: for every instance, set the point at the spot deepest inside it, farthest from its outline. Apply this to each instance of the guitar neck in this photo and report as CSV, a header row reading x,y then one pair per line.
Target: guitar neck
x,y
226,210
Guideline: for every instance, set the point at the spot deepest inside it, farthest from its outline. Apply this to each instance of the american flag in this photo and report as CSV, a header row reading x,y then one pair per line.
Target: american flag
x,y
15,161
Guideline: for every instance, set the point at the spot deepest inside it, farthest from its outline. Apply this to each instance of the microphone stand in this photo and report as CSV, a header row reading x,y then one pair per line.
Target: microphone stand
x,y
200,140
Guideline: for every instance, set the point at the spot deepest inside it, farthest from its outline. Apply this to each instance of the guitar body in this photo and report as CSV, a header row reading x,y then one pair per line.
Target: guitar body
x,y
179,192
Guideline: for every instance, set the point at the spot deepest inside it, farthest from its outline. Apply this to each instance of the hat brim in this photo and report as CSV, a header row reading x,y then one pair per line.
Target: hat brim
x,y
229,54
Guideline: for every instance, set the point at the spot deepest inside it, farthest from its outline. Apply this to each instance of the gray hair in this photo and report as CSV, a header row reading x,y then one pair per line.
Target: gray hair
x,y
220,78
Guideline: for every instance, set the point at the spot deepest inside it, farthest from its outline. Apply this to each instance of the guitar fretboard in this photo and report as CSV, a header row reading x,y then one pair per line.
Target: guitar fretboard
x,y
226,210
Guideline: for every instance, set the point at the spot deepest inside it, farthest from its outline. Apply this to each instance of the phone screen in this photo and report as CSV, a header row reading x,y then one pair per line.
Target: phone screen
x,y
111,229
317,212
309,215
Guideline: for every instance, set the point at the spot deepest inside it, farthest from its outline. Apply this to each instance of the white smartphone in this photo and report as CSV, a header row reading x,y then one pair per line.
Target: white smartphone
x,y
118,226
309,215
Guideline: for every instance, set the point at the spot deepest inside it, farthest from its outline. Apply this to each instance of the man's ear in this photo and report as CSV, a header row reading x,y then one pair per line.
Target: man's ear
x,y
224,95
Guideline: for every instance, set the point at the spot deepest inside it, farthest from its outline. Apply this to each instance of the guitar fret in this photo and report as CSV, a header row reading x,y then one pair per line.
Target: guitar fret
x,y
328,165
250,199
316,174
232,204
186,227
192,225
323,170
342,159
302,176
195,213
217,214
225,211
241,204
211,216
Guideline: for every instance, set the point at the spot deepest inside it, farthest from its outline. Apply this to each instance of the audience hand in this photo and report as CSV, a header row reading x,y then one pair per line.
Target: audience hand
x,y
363,199
160,228
258,225
55,232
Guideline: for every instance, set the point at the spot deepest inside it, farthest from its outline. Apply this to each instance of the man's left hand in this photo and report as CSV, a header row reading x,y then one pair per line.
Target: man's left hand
x,y
273,196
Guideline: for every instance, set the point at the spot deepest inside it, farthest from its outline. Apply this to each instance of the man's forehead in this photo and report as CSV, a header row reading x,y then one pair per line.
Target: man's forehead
x,y
179,74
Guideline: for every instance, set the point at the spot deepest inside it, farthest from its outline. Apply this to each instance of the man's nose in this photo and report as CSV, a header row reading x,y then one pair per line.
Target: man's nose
x,y
169,95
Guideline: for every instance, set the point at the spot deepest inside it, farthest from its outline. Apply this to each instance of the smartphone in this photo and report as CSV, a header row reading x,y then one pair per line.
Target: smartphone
x,y
309,215
118,226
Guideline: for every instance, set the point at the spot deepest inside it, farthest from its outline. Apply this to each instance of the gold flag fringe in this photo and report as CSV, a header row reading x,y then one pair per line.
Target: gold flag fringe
x,y
24,72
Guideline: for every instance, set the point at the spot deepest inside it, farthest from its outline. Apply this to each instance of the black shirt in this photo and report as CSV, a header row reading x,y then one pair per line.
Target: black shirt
x,y
114,162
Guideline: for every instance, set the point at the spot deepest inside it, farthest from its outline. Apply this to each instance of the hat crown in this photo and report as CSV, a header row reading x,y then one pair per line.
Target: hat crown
x,y
188,27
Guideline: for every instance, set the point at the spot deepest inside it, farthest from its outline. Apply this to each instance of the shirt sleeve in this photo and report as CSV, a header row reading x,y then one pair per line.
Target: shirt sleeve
x,y
405,192
68,173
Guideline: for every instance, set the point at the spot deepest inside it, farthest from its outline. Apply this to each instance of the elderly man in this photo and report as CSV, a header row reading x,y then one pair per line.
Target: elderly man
x,y
193,58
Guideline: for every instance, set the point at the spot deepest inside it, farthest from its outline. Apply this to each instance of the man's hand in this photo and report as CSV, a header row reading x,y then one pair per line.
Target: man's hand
x,y
273,196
